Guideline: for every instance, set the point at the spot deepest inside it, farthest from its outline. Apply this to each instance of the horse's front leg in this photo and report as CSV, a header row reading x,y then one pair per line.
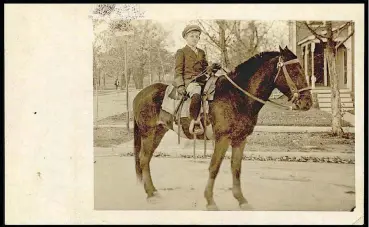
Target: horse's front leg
x,y
236,163
221,146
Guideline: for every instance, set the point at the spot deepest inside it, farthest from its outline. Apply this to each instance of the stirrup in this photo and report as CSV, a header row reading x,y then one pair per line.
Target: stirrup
x,y
198,131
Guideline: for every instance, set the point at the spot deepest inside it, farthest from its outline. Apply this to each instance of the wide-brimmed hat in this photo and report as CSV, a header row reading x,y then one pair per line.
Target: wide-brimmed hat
x,y
190,28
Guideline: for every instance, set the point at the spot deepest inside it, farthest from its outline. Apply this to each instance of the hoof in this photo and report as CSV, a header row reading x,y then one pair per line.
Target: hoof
x,y
155,198
246,206
157,194
212,207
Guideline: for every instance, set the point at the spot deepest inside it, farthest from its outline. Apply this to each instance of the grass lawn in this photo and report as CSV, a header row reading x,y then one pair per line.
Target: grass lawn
x,y
271,115
258,141
107,137
267,145
119,119
351,111
268,115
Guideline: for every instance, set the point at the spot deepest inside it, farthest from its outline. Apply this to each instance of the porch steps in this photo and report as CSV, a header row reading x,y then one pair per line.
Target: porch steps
x,y
325,103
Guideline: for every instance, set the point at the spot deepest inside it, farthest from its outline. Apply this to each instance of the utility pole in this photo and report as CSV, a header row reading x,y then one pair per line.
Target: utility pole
x,y
125,35
125,72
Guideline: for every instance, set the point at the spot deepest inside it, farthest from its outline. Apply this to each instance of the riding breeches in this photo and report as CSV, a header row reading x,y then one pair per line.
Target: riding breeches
x,y
193,88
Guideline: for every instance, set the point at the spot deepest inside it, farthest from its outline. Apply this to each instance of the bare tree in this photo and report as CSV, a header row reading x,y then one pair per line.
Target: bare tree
x,y
329,34
215,32
249,37
146,50
235,40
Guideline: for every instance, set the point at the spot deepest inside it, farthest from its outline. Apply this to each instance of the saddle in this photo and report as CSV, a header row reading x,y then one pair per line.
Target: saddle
x,y
175,108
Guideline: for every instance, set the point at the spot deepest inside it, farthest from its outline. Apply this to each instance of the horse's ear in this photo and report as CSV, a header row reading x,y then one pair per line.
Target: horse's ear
x,y
286,48
280,49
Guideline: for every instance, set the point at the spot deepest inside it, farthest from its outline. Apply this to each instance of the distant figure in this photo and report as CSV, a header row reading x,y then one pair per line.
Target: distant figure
x,y
116,84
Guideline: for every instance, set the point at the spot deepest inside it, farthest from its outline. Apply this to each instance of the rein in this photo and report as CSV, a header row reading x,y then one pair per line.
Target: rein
x,y
290,83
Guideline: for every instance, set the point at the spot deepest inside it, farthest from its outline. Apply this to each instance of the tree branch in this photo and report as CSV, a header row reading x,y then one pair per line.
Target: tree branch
x,y
341,29
257,40
314,32
208,35
268,29
237,34
214,45
214,29
340,43
231,30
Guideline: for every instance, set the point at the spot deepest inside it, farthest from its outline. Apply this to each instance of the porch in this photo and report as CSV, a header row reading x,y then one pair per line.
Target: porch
x,y
316,66
317,72
322,98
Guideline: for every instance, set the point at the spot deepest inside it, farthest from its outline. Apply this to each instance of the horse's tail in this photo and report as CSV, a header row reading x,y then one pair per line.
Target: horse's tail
x,y
137,149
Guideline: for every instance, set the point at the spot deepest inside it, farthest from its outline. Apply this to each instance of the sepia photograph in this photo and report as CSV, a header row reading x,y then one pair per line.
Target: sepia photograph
x,y
185,113
222,114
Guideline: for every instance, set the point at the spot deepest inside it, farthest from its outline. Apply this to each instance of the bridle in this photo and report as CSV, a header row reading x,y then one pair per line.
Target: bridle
x,y
280,65
294,91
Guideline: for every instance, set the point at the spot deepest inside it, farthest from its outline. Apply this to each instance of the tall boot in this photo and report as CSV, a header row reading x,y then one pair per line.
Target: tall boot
x,y
195,108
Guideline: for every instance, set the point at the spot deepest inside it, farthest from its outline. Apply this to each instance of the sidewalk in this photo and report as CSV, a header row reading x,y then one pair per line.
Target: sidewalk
x,y
263,128
169,147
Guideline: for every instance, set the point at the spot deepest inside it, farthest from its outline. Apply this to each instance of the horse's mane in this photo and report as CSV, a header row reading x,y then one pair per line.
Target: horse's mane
x,y
250,66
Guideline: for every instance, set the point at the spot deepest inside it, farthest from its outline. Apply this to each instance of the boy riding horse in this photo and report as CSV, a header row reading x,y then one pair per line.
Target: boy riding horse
x,y
190,61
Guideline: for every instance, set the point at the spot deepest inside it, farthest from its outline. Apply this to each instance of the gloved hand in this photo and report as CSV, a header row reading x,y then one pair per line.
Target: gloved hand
x,y
216,66
181,90
213,68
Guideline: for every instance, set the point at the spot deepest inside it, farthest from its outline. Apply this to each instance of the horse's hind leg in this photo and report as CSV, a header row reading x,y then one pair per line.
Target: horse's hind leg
x,y
221,146
236,162
149,144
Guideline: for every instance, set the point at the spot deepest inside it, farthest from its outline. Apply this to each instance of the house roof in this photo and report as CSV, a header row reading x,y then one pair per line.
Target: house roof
x,y
313,39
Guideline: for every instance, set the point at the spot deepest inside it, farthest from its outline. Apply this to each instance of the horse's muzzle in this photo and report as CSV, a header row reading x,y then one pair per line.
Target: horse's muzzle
x,y
302,105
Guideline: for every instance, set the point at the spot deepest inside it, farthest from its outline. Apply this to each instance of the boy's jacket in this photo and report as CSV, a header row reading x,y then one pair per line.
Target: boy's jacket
x,y
188,65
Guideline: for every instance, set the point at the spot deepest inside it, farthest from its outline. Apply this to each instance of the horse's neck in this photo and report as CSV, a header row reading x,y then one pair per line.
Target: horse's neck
x,y
260,85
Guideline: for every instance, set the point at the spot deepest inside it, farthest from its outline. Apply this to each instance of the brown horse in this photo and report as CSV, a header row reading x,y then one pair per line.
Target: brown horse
x,y
232,113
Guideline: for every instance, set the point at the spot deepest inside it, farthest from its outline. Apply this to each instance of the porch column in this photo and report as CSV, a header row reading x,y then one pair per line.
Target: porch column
x,y
302,51
305,64
325,69
313,78
349,60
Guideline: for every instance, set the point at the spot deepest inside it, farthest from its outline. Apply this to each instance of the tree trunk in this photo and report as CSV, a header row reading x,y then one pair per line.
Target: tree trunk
x,y
150,72
99,75
104,80
138,79
335,93
223,48
161,64
139,76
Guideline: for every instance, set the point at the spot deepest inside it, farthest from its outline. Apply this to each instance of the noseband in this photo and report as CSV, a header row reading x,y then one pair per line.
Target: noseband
x,y
294,91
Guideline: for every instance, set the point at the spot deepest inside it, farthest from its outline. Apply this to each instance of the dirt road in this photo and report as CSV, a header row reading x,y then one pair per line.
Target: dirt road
x,y
268,186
